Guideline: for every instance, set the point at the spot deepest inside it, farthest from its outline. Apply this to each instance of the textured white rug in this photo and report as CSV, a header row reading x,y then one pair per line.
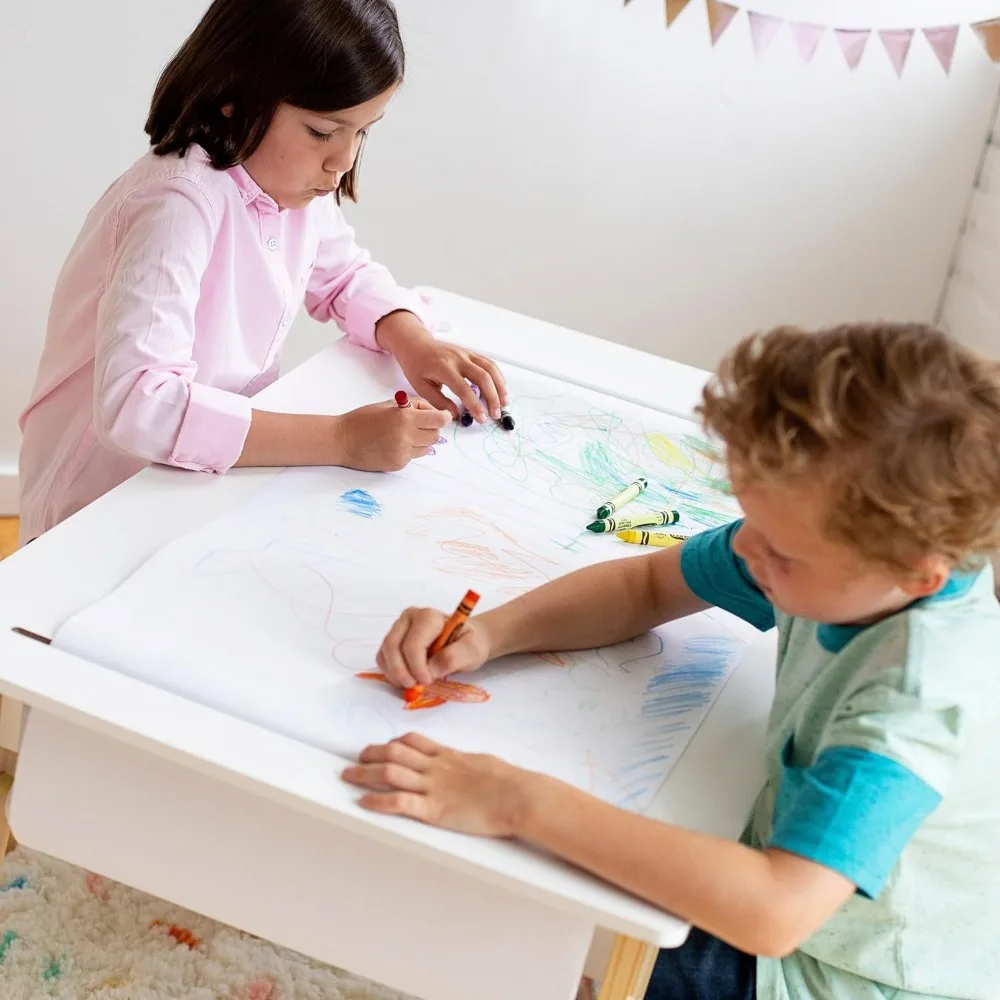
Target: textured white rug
x,y
71,935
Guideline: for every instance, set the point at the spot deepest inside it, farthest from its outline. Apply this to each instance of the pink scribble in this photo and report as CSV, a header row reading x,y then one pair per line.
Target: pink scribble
x,y
96,886
261,989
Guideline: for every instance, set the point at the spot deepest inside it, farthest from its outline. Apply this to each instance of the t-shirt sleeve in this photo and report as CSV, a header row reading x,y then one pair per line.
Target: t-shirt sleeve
x,y
852,811
717,575
889,750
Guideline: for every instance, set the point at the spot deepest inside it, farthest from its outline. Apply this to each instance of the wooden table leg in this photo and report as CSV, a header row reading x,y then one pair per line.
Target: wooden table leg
x,y
6,840
629,969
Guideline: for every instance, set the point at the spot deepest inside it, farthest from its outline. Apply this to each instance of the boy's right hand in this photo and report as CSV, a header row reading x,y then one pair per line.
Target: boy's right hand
x,y
381,437
402,656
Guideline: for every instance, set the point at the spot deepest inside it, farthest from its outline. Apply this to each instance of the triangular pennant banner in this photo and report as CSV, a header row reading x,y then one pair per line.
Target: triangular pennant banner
x,y
852,44
763,30
807,38
720,16
942,41
674,9
897,46
988,32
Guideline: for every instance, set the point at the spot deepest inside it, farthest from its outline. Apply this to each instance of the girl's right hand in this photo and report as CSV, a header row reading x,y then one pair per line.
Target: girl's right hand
x,y
381,437
403,659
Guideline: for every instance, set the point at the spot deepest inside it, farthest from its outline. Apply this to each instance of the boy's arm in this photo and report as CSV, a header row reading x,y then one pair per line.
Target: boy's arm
x,y
761,902
597,606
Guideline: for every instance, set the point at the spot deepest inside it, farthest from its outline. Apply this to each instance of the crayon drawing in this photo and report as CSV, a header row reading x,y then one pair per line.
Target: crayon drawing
x,y
271,612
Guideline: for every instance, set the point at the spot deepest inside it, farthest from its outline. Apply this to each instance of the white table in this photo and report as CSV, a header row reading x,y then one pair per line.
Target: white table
x,y
256,830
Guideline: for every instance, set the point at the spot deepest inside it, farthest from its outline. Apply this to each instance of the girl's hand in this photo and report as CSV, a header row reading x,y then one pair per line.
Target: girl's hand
x,y
381,437
402,657
430,364
416,777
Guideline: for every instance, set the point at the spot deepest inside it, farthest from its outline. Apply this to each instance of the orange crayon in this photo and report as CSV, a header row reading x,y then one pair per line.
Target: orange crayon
x,y
455,622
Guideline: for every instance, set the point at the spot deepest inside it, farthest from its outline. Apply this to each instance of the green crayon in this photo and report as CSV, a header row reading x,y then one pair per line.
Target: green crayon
x,y
628,494
635,521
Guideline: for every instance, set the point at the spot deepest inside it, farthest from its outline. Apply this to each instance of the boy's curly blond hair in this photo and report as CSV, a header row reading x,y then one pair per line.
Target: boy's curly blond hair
x,y
899,424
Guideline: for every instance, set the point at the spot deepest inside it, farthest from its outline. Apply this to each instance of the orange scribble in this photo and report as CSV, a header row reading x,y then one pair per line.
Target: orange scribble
x,y
180,934
556,659
432,695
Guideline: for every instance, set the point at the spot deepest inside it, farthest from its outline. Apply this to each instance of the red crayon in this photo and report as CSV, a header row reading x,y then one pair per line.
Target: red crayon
x,y
402,400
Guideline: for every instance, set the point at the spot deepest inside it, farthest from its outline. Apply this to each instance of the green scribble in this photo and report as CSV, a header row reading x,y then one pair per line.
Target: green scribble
x,y
55,968
9,937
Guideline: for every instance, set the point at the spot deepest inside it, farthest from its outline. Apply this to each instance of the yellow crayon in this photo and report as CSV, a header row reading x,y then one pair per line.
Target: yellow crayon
x,y
629,493
662,539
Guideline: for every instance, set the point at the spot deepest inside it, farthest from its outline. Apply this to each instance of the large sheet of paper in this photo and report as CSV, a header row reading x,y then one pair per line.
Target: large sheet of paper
x,y
270,611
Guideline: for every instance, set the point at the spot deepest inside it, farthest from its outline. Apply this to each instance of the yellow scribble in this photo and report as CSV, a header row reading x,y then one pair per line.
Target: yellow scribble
x,y
668,453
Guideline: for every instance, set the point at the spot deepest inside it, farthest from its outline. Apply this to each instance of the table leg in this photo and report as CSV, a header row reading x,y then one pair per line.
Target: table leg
x,y
6,840
629,969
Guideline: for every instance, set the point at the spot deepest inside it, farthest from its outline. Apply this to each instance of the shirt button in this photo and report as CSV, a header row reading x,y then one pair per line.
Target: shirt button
x,y
272,244
286,320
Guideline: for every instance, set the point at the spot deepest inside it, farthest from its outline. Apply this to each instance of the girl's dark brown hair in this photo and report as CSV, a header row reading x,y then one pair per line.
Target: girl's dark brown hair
x,y
250,56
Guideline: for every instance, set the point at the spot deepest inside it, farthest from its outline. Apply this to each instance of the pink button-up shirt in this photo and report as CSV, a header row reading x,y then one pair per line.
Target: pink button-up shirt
x,y
169,314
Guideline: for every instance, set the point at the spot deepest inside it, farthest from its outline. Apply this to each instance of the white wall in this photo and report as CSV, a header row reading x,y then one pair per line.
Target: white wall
x,y
972,307
567,158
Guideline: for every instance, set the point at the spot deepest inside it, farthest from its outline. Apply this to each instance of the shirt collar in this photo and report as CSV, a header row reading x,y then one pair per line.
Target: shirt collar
x,y
833,638
249,189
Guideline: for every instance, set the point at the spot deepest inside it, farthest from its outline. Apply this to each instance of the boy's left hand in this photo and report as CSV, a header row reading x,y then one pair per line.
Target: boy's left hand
x,y
416,777
431,364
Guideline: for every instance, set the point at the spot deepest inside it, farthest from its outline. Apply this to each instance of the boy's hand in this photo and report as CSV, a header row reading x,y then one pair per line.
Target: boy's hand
x,y
416,777
381,437
430,364
402,657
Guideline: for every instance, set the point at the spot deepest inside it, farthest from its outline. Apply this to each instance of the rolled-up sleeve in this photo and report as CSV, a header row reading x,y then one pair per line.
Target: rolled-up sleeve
x,y
349,288
147,401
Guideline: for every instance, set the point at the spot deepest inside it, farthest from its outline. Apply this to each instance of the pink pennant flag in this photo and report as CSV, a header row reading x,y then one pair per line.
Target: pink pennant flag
x,y
852,44
807,38
720,15
942,41
897,46
763,30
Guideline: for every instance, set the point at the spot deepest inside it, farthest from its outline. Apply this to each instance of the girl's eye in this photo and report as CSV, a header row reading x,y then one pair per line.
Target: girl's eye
x,y
322,136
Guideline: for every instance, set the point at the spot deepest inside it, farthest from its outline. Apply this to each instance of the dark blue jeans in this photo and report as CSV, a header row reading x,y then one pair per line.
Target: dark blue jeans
x,y
703,968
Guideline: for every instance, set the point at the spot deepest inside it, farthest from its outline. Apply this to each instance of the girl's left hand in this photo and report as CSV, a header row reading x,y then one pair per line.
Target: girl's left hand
x,y
416,777
429,365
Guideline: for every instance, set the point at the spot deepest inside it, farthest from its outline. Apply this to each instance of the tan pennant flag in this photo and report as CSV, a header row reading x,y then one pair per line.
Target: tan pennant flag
x,y
897,46
852,44
720,16
942,42
988,32
764,29
674,10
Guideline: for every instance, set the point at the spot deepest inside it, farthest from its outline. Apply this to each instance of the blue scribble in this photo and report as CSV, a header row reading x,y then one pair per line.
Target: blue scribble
x,y
360,503
679,688
18,882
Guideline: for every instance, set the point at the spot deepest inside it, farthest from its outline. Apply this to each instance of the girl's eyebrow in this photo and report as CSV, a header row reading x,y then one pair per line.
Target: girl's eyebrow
x,y
342,121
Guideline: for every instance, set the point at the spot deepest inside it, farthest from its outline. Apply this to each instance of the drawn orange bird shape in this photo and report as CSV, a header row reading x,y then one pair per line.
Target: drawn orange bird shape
x,y
432,695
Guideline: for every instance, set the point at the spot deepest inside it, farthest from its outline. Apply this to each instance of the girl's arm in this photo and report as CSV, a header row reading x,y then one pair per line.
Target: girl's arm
x,y
147,402
347,286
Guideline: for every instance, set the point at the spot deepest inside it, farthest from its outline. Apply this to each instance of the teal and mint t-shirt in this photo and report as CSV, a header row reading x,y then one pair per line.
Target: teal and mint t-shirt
x,y
883,764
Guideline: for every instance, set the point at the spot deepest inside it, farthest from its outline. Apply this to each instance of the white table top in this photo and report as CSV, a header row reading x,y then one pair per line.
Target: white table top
x,y
711,788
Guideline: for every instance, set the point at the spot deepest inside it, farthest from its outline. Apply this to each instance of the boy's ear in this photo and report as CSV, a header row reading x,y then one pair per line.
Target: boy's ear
x,y
928,577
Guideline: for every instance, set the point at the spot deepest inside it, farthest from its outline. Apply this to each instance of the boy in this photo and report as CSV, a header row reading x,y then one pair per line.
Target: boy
x,y
866,460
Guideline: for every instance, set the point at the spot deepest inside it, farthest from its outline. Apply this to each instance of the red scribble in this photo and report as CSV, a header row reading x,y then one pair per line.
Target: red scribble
x,y
180,934
260,989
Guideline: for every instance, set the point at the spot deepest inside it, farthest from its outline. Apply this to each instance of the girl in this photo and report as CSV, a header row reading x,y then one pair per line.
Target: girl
x,y
172,308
